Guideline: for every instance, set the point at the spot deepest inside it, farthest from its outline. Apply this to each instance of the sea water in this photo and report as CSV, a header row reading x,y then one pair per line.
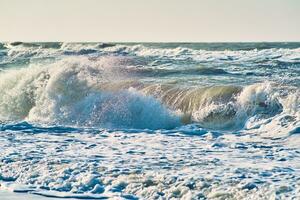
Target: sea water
x,y
150,120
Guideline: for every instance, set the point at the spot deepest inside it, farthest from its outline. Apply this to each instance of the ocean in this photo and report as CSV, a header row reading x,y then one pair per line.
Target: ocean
x,y
150,120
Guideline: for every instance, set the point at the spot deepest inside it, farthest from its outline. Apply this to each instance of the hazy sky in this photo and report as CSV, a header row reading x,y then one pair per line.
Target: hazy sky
x,y
150,20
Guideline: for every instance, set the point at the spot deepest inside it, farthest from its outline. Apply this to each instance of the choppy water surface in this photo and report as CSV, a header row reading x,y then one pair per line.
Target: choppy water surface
x,y
151,121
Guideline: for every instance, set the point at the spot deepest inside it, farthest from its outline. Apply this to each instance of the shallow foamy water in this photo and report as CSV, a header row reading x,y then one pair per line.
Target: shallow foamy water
x,y
151,165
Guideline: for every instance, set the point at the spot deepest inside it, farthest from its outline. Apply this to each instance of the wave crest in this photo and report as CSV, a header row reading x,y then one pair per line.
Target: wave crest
x,y
97,92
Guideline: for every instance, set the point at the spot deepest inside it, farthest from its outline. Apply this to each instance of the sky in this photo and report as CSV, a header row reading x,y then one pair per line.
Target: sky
x,y
149,20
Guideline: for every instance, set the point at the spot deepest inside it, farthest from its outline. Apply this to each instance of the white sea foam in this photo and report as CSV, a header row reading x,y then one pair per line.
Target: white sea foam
x,y
119,164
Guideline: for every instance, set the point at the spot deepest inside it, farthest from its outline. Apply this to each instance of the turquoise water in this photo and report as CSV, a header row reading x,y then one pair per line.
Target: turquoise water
x,y
151,120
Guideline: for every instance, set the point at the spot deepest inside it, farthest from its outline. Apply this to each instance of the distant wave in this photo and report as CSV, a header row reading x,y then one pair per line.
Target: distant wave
x,y
252,56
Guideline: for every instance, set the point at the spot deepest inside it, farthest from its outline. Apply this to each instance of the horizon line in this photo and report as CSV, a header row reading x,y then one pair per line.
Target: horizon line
x,y
94,41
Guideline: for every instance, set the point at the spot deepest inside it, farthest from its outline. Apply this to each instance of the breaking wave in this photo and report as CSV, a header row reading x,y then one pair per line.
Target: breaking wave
x,y
105,92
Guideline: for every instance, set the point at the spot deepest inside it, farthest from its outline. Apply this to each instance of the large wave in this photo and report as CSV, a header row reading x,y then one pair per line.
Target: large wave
x,y
103,92
69,93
